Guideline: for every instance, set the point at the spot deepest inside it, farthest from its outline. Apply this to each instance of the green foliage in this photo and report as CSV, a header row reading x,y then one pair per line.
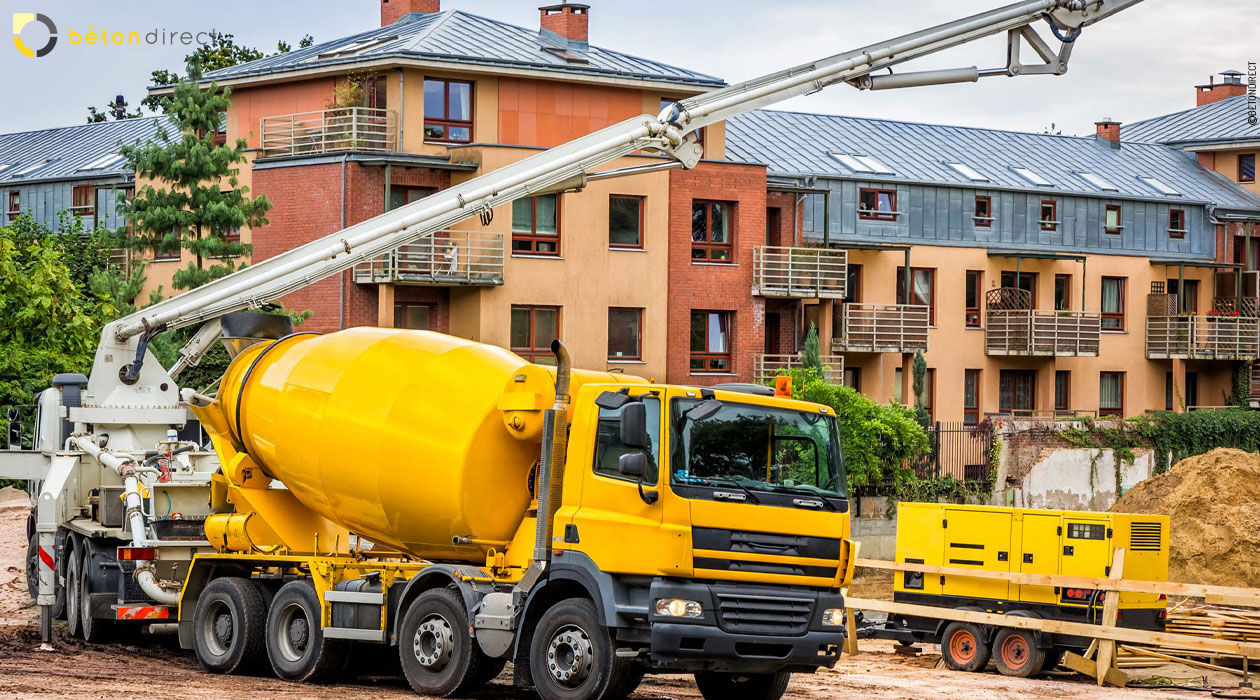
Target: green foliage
x,y
221,52
1240,389
189,207
918,378
878,441
101,115
809,352
1173,436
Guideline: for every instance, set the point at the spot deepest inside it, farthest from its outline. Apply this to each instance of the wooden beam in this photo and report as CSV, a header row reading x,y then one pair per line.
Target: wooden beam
x,y
1110,611
1078,629
1084,666
1178,660
1241,597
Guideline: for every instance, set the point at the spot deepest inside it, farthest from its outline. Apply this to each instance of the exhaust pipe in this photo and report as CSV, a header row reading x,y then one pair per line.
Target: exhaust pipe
x,y
555,440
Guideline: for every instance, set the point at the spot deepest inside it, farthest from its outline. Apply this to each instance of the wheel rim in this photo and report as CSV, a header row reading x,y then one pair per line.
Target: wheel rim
x,y
962,646
434,643
294,636
85,598
218,628
1014,651
570,656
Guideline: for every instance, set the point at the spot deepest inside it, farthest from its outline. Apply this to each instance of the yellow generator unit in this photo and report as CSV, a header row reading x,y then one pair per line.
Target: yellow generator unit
x,y
1070,543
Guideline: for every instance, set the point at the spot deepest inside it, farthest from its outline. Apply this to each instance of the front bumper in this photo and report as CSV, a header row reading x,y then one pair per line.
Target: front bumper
x,y
726,640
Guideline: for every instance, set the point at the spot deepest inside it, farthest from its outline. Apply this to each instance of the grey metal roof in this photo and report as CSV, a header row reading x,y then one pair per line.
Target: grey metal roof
x,y
1219,122
794,143
455,36
69,150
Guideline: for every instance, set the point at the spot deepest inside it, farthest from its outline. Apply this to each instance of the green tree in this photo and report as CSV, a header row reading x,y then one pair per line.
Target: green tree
x,y
198,200
221,52
918,378
110,112
809,352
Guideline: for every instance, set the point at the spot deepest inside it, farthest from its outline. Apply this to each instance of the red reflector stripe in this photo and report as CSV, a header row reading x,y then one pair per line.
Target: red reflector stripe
x,y
142,612
137,553
46,557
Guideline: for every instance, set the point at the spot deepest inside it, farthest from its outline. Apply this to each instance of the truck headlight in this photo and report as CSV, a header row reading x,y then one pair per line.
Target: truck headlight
x,y
833,617
678,607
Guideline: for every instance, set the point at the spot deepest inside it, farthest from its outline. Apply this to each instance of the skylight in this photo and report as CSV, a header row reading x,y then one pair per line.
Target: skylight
x,y
1160,186
355,47
1030,176
862,164
103,162
1099,182
968,172
30,168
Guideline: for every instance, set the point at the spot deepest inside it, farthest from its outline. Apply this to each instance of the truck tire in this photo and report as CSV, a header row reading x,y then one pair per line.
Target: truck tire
x,y
296,645
963,647
742,686
74,565
572,656
1015,653
93,629
229,627
438,655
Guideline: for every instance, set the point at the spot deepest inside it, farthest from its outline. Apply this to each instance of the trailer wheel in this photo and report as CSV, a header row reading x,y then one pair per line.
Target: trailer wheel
x,y
74,564
1054,657
742,686
92,629
229,627
439,656
963,647
296,645
572,657
1015,652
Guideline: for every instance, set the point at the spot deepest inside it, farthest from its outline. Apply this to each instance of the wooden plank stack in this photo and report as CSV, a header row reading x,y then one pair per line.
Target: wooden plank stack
x,y
1199,620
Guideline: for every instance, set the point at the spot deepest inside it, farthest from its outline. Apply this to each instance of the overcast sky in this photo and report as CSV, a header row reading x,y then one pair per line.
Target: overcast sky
x,y
1138,64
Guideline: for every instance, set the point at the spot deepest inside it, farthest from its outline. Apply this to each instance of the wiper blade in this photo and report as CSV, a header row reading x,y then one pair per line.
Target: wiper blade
x,y
805,491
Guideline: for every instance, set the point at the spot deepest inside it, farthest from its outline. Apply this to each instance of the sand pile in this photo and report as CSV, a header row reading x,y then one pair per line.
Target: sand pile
x,y
1213,501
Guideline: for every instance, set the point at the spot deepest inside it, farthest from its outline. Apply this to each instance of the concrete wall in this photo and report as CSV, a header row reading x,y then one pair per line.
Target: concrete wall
x,y
1079,479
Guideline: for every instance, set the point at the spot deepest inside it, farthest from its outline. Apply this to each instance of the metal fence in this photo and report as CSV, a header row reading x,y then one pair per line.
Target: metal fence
x,y
441,258
781,271
1041,332
1202,337
767,367
883,328
958,450
327,130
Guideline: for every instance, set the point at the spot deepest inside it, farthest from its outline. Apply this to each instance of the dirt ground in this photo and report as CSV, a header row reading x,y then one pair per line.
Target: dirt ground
x,y
155,667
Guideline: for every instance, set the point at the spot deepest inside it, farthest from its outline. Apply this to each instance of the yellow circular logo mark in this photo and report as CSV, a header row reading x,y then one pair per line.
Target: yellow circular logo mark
x,y
20,20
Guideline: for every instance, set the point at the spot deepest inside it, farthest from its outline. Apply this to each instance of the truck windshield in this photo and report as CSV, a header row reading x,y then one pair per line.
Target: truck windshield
x,y
758,448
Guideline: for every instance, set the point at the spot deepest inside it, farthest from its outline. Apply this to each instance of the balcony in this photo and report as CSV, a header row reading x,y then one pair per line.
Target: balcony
x,y
1041,333
328,131
445,258
1207,337
799,273
882,328
767,367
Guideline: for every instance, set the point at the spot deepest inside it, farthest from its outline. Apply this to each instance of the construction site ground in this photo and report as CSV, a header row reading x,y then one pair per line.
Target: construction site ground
x,y
154,666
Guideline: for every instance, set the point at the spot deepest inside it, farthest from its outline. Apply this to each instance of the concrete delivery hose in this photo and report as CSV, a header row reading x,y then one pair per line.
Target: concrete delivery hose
x,y
125,467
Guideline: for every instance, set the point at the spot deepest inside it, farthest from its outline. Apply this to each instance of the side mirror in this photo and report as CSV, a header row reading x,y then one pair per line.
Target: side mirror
x,y
633,464
634,425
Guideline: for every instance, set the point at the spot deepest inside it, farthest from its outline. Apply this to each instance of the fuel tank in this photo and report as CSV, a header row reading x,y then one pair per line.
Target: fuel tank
x,y
408,438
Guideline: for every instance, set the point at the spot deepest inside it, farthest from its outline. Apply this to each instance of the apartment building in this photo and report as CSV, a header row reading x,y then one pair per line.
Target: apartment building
x,y
1039,274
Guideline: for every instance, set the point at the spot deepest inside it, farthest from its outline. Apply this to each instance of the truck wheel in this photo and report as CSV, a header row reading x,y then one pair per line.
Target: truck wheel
x,y
92,629
1015,653
229,627
963,647
742,686
439,657
295,642
571,655
74,563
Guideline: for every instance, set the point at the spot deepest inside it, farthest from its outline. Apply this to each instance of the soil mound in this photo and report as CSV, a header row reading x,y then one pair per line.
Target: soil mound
x,y
1213,501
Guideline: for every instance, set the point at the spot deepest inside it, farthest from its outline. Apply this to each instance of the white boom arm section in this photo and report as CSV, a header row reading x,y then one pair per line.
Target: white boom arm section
x,y
568,166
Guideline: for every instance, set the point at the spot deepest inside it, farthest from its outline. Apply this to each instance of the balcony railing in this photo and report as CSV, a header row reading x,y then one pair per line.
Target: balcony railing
x,y
882,328
1202,337
767,367
802,273
443,258
329,130
1042,333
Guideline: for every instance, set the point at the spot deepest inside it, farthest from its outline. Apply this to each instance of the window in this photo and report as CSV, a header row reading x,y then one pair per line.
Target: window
x,y
625,334
975,293
852,288
983,216
625,221
609,447
1187,297
167,250
877,205
929,391
1099,182
1176,223
1032,177
710,341
1026,281
415,317
83,200
1017,391
711,225
853,378
103,162
968,172
922,288
1113,303
1171,395
971,397
402,195
1113,219
533,329
15,204
1247,167
1111,393
22,172
862,164
1062,292
448,110
1062,390
1160,186
1049,215
535,225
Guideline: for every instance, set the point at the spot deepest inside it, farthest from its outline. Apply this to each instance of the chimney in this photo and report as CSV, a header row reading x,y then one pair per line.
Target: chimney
x,y
1108,129
393,10
566,20
1231,85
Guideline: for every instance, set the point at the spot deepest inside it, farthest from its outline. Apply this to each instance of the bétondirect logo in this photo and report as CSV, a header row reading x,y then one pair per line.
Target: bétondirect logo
x,y
97,36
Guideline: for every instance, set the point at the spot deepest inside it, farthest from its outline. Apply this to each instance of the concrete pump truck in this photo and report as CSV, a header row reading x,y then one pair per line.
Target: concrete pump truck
x,y
447,498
